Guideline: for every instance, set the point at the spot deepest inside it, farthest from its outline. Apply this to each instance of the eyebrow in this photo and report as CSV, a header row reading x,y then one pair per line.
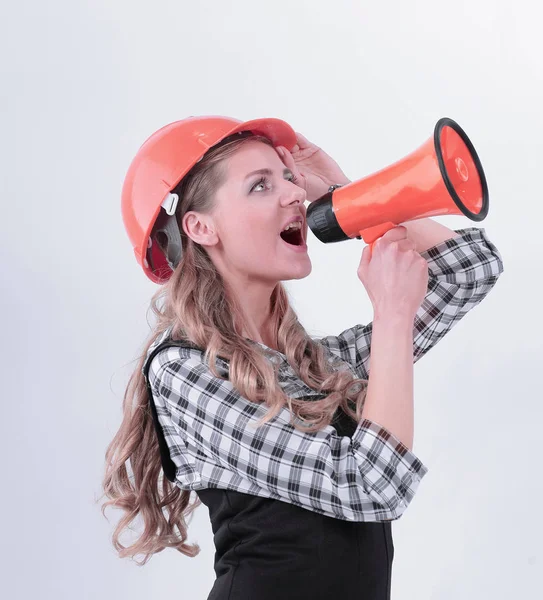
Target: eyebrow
x,y
265,172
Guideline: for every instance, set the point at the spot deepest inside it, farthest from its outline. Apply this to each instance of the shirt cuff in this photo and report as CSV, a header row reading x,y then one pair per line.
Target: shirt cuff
x,y
464,259
391,471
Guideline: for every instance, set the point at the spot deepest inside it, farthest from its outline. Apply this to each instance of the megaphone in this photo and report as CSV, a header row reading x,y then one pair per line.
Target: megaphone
x,y
444,176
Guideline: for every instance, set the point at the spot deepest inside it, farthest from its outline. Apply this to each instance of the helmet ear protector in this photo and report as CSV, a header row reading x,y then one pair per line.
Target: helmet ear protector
x,y
166,235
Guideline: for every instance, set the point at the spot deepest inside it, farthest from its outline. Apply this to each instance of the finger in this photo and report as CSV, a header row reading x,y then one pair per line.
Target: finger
x,y
397,233
303,142
288,161
366,257
406,244
286,157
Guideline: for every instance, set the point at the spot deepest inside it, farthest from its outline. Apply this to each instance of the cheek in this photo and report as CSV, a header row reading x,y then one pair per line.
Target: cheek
x,y
254,232
244,241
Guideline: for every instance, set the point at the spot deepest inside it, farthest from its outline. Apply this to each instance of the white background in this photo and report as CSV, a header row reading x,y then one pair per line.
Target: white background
x,y
84,84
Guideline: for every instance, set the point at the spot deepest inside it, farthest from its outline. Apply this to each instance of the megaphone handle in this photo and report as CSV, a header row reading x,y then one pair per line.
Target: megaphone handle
x,y
371,234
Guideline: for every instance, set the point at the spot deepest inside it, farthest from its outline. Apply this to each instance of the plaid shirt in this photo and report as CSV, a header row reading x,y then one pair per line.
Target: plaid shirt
x,y
370,476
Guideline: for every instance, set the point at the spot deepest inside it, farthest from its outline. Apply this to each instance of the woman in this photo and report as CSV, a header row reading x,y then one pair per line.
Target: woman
x,y
302,461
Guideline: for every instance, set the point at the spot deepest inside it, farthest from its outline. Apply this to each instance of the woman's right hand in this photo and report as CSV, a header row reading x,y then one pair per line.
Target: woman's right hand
x,y
394,274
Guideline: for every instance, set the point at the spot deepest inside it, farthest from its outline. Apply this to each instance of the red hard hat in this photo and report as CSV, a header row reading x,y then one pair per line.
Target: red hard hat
x,y
160,164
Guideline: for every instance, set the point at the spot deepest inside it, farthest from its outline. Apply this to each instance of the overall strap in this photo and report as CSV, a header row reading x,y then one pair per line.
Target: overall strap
x,y
168,466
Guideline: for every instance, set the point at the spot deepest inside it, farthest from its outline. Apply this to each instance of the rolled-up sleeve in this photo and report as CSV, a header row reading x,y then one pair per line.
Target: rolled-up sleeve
x,y
461,273
210,430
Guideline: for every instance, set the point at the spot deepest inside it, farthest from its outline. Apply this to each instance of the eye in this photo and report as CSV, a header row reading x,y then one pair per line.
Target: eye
x,y
264,180
261,181
293,178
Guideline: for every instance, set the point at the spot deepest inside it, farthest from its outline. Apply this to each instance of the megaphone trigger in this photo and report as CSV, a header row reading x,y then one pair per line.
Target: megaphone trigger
x,y
370,234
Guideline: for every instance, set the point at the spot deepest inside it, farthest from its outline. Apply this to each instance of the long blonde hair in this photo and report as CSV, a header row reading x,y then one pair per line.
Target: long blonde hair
x,y
195,303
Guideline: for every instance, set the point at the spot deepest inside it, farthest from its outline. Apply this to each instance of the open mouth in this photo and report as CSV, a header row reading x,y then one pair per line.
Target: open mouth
x,y
293,237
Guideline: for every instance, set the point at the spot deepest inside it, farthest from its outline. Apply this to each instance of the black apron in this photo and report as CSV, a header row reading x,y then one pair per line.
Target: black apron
x,y
267,549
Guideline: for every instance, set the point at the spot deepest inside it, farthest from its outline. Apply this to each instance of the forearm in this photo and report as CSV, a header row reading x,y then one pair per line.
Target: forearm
x,y
389,398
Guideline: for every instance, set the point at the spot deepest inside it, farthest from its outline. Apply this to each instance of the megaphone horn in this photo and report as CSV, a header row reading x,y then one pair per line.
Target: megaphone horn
x,y
444,176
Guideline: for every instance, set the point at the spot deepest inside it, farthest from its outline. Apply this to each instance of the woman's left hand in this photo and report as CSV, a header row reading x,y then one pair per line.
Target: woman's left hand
x,y
314,169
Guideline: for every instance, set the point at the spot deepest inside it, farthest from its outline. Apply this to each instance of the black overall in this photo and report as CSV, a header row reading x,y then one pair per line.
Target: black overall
x,y
267,549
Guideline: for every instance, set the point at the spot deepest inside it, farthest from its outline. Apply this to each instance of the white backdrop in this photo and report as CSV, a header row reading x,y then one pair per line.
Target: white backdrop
x,y
84,84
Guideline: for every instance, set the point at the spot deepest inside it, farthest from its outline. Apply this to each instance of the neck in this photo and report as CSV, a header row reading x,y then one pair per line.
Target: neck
x,y
253,303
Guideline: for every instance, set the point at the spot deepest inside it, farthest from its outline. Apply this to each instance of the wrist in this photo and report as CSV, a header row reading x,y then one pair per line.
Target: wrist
x,y
393,317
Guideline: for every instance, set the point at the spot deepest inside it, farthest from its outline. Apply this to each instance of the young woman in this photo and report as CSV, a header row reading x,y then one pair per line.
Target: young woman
x,y
302,459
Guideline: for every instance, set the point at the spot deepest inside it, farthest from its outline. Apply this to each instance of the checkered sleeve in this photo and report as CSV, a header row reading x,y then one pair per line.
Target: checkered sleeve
x,y
210,431
462,271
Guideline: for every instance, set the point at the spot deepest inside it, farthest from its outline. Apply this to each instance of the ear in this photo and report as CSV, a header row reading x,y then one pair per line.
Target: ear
x,y
200,228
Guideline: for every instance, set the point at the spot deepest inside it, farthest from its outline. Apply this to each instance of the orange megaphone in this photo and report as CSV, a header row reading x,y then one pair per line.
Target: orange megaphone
x,y
442,177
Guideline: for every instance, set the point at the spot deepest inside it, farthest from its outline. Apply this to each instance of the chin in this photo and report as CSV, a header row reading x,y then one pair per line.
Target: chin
x,y
302,271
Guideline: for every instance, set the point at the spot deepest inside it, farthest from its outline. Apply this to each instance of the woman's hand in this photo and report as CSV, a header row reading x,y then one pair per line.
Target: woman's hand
x,y
394,274
314,169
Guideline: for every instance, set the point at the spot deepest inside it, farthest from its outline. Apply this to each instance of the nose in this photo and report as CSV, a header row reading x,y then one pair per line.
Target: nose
x,y
295,196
